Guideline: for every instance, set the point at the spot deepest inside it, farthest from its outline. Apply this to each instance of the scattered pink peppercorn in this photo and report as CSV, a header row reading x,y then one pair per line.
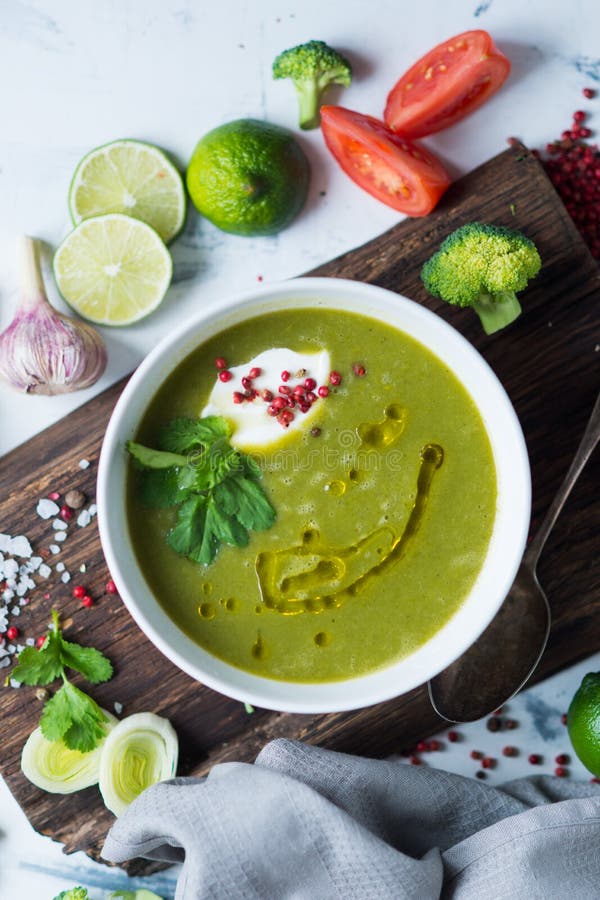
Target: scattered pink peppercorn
x,y
266,395
579,115
475,754
221,362
510,724
238,397
589,93
79,591
310,384
595,780
422,747
359,370
323,391
335,378
315,432
254,372
435,745
12,633
285,375
488,762
563,759
53,495
561,772
563,719
225,375
87,601
509,751
66,513
534,758
40,641
513,141
453,736
416,761
110,587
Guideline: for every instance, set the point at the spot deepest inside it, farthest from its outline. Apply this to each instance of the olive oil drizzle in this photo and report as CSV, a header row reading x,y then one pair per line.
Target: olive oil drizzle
x,y
312,577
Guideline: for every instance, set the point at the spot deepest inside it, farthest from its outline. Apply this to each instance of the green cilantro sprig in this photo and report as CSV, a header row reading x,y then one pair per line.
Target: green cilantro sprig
x,y
69,715
215,486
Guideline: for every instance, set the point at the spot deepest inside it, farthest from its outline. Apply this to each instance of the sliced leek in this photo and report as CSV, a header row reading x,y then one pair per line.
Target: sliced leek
x,y
51,766
140,751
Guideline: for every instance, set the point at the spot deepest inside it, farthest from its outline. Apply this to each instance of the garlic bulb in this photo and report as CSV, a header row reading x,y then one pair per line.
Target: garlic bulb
x,y
42,351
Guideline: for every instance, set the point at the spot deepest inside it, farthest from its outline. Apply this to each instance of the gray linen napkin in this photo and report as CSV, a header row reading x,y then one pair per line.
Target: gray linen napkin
x,y
304,823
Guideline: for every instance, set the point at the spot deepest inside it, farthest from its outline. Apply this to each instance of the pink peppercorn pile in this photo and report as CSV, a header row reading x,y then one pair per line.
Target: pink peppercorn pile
x,y
573,167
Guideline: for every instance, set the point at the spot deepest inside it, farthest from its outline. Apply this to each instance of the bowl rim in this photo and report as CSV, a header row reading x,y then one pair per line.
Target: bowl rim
x,y
463,627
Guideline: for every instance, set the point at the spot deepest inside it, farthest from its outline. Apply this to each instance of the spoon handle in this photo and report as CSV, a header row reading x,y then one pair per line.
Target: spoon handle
x,y
587,444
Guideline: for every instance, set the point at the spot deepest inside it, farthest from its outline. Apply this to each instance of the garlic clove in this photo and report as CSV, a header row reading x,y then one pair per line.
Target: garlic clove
x,y
43,351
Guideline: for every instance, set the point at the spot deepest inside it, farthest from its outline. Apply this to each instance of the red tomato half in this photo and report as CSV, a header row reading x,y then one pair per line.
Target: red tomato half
x,y
402,174
445,85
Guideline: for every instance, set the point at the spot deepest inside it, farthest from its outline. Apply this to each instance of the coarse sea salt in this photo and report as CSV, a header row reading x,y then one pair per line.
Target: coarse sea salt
x,y
60,567
60,536
84,463
59,525
118,707
15,611
20,546
84,518
47,508
10,567
5,540
34,563
65,577
44,571
93,509
54,548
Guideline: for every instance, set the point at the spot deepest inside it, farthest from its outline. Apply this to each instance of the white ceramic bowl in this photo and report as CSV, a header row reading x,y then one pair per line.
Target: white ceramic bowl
x,y
506,545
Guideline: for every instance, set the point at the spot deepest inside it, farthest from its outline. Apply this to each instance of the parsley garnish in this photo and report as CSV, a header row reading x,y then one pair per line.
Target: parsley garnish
x,y
70,715
215,486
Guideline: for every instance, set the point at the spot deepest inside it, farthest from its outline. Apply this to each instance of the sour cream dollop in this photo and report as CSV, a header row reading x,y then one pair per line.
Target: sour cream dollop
x,y
252,426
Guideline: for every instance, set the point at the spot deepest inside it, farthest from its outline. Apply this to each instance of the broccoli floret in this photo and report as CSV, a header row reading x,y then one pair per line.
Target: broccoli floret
x,y
312,67
76,893
483,266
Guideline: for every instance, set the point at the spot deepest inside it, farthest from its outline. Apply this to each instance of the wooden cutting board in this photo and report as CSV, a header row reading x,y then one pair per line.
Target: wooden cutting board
x,y
548,363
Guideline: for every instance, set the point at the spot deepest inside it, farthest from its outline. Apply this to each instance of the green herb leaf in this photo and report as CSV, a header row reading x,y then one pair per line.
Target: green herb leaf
x,y
189,530
216,487
39,666
155,459
73,717
182,434
253,509
162,487
89,662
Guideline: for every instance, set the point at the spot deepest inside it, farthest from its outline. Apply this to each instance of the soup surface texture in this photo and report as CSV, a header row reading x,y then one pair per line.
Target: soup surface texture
x,y
385,506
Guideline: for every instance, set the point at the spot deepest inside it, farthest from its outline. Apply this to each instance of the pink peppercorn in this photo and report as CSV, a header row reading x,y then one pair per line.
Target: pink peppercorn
x,y
589,93
40,641
415,761
453,736
335,378
66,513
488,762
563,759
560,772
238,397
221,362
225,375
254,372
475,754
12,633
435,745
285,375
79,591
110,587
323,391
54,495
563,719
87,601
534,758
509,751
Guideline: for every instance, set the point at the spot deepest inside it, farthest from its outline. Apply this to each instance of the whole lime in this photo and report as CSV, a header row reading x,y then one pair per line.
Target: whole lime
x,y
583,722
248,177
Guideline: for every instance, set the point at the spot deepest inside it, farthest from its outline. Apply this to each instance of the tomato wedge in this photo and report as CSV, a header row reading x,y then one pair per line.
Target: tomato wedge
x,y
445,85
401,174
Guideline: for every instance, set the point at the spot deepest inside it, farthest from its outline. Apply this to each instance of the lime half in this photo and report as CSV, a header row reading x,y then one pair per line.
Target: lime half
x,y
133,178
113,270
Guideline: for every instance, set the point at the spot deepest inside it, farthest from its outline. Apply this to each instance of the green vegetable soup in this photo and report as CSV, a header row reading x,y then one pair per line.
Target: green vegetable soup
x,y
384,507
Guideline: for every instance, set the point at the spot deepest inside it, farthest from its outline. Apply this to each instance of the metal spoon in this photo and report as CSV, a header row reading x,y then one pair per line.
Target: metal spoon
x,y
505,656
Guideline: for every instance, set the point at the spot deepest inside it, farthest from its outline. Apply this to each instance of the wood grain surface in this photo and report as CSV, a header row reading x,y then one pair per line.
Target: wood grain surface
x,y
548,363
